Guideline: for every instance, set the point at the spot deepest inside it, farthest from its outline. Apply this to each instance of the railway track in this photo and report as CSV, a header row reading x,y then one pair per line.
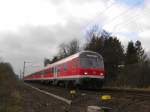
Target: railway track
x,y
126,99
129,91
111,91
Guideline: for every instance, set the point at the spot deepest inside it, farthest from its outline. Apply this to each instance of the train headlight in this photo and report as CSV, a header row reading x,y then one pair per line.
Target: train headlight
x,y
101,74
85,73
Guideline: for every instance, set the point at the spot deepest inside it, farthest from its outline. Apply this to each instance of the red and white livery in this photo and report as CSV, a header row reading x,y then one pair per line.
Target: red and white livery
x,y
85,68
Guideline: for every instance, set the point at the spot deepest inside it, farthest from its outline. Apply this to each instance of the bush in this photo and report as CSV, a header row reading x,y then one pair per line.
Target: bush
x,y
10,97
135,75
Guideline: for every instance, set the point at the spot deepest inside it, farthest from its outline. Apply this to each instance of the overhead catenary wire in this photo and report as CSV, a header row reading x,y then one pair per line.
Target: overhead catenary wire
x,y
130,19
135,17
116,17
102,12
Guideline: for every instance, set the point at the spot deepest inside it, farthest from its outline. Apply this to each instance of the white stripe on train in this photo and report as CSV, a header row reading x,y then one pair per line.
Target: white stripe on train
x,y
69,77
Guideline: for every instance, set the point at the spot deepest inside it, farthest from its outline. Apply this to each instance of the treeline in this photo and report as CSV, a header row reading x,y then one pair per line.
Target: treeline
x,y
128,67
10,99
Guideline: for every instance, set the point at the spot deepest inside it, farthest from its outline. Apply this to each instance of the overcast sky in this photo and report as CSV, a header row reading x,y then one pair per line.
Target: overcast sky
x,y
32,29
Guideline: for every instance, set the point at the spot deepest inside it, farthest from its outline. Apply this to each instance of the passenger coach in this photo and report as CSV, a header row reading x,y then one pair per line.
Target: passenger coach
x,y
83,69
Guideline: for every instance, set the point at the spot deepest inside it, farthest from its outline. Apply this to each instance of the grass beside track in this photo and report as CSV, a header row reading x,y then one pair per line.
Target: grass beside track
x,y
10,98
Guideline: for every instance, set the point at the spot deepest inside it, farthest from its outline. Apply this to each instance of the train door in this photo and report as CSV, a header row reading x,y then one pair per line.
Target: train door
x,y
55,72
42,73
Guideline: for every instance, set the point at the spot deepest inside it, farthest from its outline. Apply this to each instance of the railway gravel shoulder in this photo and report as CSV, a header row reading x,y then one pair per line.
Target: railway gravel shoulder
x,y
50,94
33,101
121,101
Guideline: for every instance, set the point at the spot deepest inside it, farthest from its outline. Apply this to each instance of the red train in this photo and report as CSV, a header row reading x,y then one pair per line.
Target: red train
x,y
83,69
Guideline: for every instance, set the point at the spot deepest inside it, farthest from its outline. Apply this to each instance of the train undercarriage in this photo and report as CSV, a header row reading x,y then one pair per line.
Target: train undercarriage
x,y
74,83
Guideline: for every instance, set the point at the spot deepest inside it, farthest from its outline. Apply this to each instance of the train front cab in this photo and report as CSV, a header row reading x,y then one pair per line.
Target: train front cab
x,y
91,70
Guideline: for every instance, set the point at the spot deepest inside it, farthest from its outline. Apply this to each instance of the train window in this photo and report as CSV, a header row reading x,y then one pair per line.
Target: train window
x,y
50,70
47,71
57,69
53,70
74,64
42,72
91,62
65,66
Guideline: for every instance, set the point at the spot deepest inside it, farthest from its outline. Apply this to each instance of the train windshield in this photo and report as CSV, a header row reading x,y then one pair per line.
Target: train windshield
x,y
91,62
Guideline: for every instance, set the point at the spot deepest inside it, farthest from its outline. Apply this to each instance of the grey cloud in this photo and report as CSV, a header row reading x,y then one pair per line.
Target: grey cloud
x,y
33,43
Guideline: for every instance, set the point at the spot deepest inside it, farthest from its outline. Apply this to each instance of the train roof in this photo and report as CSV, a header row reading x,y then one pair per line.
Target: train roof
x,y
69,58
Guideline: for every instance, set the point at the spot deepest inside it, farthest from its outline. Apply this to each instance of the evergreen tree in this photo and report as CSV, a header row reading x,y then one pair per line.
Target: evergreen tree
x,y
113,56
140,51
111,50
95,44
131,54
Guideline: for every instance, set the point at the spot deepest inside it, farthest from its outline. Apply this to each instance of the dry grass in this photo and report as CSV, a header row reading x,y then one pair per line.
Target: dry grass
x,y
10,97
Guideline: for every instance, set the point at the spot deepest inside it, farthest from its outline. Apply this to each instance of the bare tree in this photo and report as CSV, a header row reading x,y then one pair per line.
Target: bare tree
x,y
63,51
73,47
68,49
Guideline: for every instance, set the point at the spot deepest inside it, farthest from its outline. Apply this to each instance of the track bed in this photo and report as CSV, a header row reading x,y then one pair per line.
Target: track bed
x,y
122,101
